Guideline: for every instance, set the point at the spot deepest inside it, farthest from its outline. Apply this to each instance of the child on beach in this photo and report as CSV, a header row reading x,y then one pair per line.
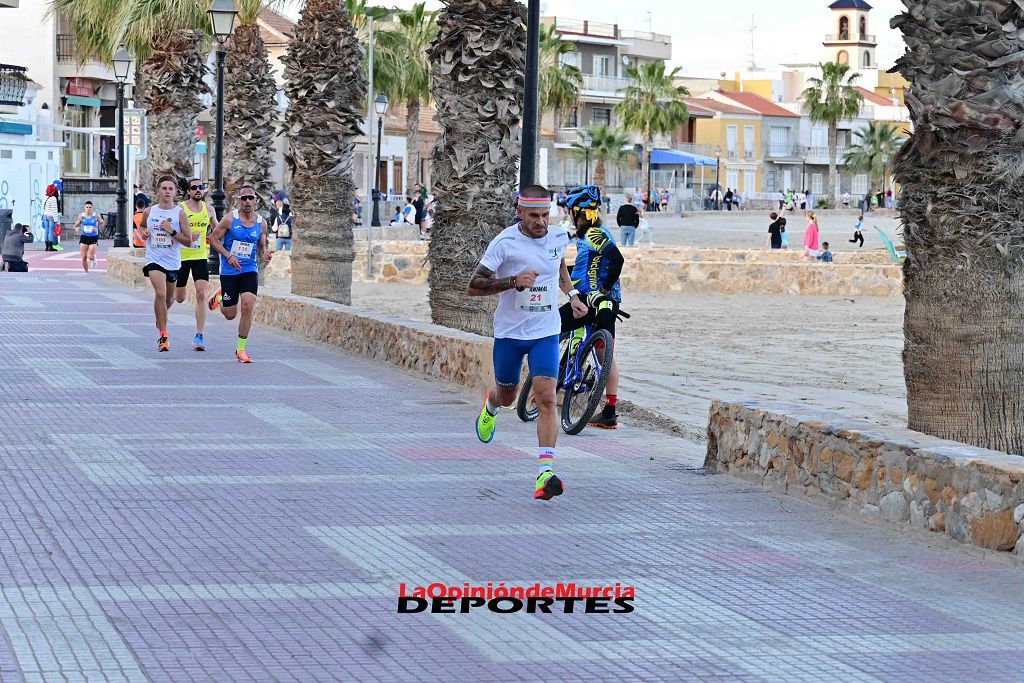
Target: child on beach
x,y
785,236
857,236
825,256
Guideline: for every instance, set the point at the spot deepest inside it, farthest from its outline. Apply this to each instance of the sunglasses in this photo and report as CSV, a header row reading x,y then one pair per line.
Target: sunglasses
x,y
248,197
197,187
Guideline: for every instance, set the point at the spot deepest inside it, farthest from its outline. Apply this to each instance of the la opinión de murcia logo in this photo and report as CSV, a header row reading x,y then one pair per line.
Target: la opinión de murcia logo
x,y
566,598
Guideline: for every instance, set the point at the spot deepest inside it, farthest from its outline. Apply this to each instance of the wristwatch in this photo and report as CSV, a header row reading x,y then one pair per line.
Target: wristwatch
x,y
573,292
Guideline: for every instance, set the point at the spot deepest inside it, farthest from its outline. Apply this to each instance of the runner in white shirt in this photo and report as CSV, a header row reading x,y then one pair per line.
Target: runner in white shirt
x,y
525,266
162,231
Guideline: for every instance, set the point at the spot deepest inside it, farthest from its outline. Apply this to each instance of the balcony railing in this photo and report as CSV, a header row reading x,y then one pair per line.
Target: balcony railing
x,y
65,47
605,84
783,151
568,135
646,35
585,27
822,153
13,83
853,37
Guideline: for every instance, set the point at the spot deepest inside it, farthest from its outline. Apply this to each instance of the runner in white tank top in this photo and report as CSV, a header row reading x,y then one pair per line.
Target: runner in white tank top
x,y
161,230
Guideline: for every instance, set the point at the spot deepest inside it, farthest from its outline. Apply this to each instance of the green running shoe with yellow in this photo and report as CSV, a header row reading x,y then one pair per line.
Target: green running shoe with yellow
x,y
485,423
548,486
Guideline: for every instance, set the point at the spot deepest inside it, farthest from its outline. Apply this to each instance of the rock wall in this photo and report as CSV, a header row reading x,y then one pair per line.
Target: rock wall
x,y
682,269
970,494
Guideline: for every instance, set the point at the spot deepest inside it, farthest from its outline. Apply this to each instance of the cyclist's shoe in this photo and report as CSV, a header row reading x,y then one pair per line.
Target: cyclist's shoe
x,y
163,344
485,423
214,302
242,356
198,343
606,420
548,486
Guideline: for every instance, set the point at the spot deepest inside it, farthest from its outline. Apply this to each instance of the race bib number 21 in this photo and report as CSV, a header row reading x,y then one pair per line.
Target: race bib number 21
x,y
536,299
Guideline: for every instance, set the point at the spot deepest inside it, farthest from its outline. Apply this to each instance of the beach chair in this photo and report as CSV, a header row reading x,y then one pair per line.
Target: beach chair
x,y
898,257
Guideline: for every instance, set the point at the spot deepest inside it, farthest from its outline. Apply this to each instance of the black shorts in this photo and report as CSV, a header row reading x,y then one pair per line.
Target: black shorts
x,y
570,322
232,287
172,275
199,268
88,239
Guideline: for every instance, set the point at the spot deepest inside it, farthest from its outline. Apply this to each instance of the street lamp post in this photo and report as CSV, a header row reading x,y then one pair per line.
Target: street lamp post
x,y
222,21
380,106
718,187
587,141
122,67
528,156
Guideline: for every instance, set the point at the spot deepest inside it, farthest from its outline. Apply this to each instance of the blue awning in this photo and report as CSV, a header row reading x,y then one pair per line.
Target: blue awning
x,y
673,157
84,101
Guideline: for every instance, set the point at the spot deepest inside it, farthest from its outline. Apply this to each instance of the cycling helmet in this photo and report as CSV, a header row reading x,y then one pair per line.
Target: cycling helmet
x,y
586,199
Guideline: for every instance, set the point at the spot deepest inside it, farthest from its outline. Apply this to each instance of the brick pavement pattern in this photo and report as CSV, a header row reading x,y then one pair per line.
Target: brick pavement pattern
x,y
182,517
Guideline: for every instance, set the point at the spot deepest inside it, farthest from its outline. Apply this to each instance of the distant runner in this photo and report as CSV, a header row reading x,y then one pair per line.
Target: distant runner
x,y
88,226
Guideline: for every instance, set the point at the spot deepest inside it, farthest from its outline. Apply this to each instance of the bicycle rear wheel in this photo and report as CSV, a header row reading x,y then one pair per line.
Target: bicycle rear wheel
x,y
582,398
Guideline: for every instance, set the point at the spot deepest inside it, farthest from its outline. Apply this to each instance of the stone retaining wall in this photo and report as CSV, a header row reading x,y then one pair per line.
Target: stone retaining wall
x,y
970,494
423,349
681,269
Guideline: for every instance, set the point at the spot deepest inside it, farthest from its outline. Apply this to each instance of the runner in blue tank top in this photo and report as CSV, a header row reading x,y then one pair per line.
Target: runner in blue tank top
x,y
241,240
88,226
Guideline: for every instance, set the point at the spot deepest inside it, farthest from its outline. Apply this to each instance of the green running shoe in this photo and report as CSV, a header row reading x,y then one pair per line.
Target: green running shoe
x,y
548,486
485,423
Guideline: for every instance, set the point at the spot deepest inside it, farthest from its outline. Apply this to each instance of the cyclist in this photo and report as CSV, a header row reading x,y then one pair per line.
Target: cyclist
x,y
596,275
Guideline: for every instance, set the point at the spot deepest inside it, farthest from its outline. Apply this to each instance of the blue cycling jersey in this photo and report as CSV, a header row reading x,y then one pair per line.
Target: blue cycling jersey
x,y
591,268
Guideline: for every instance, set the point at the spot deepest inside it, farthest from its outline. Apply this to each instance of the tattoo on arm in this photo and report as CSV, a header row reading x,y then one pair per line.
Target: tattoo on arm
x,y
483,282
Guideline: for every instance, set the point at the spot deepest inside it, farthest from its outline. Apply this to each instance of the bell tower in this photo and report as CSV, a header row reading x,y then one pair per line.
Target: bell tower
x,y
849,39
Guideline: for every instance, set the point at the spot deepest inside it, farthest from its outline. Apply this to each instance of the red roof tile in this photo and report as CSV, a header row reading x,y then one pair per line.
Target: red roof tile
x,y
718,107
873,97
275,29
759,104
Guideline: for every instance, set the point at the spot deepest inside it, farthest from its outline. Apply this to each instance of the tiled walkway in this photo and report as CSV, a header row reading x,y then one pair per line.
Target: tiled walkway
x,y
181,517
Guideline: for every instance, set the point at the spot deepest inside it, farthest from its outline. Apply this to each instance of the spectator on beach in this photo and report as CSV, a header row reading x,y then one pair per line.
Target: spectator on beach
x,y
628,219
846,200
858,236
776,230
645,230
889,203
785,235
782,200
664,199
728,198
51,214
811,236
825,256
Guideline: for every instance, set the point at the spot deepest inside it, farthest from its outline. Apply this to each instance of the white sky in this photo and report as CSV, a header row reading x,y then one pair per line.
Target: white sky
x,y
709,39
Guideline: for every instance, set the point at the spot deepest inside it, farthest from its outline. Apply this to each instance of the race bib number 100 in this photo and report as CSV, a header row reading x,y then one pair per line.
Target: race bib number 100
x,y
161,239
536,299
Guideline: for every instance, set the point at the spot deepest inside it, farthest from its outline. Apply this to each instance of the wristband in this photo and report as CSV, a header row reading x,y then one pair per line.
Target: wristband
x,y
512,282
573,292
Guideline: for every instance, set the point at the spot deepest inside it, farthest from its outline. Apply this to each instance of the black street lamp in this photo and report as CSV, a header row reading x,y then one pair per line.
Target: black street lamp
x,y
587,141
718,187
380,106
528,156
122,67
222,21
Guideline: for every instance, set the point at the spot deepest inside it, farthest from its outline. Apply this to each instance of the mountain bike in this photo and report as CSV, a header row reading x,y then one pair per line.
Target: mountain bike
x,y
585,359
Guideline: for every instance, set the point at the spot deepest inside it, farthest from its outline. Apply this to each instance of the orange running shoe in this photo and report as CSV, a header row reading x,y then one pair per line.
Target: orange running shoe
x,y
163,344
214,302
242,356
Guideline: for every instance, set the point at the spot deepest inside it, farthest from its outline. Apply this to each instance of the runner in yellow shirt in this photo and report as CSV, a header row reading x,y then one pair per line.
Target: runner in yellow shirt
x,y
193,259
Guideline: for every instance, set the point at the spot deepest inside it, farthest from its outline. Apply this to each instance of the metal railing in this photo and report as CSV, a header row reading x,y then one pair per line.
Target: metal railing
x,y
585,27
783,151
568,135
646,35
748,154
822,153
836,37
605,84
65,47
13,83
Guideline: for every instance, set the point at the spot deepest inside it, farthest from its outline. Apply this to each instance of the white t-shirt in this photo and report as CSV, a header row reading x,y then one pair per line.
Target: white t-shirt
x,y
532,313
161,248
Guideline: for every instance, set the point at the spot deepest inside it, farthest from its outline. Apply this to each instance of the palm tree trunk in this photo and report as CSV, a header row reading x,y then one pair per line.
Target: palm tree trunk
x,y
477,66
326,89
960,203
599,174
833,155
249,114
645,166
170,86
412,144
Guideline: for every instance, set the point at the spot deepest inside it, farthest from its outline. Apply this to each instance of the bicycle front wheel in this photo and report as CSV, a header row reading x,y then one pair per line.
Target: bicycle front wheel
x,y
582,398
526,409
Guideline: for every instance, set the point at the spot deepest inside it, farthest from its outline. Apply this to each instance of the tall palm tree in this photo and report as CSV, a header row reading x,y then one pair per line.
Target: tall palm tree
x,y
653,103
608,147
873,150
403,51
168,40
250,115
829,100
477,66
960,202
326,91
559,83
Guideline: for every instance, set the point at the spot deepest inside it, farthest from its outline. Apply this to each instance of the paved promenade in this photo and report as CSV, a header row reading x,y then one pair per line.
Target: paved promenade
x,y
181,517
